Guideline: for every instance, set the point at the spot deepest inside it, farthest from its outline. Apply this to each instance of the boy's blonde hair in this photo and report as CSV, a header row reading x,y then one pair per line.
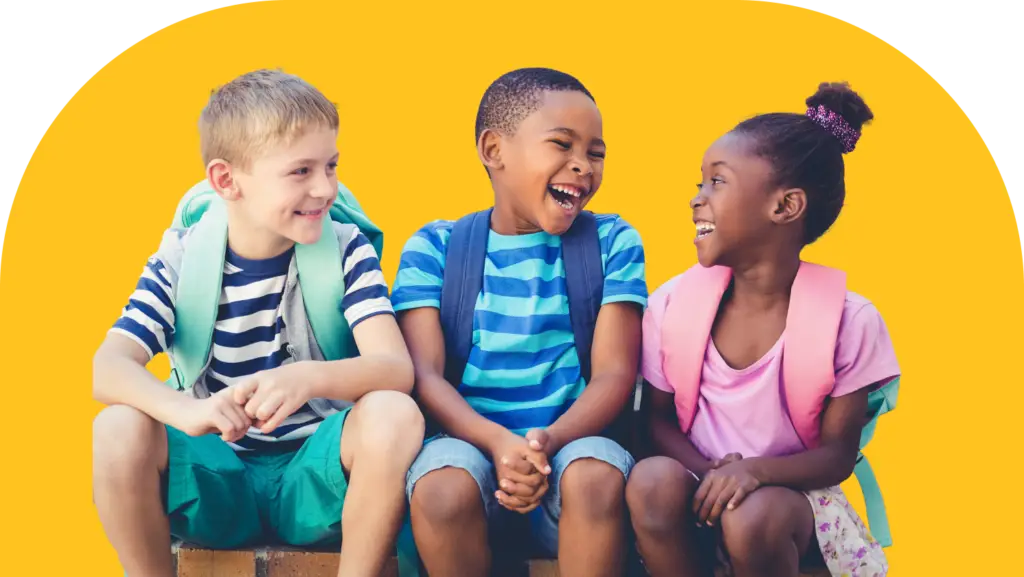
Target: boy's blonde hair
x,y
258,109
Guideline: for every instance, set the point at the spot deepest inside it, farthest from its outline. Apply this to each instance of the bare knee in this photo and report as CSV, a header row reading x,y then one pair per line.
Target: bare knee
x,y
447,498
764,524
389,424
659,494
594,488
125,440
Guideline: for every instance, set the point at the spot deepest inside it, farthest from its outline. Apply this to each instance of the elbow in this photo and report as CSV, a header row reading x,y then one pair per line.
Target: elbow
x,y
99,362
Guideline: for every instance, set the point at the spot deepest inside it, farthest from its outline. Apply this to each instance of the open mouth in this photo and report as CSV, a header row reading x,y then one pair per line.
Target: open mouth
x,y
567,196
704,229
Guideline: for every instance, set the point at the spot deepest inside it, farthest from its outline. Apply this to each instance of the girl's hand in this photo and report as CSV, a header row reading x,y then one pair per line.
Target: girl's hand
x,y
730,458
722,489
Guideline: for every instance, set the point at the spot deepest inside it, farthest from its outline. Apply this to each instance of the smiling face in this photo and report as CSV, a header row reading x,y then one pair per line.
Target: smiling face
x,y
284,194
736,208
549,169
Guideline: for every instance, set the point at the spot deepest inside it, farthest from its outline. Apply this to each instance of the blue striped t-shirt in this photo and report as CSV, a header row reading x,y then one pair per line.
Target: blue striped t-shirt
x,y
248,336
523,371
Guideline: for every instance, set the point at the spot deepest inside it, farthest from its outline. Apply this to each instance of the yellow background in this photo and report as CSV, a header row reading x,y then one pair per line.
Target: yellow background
x,y
928,233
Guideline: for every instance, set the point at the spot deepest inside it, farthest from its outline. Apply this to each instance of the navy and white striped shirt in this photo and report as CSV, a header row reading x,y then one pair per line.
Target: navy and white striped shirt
x,y
248,336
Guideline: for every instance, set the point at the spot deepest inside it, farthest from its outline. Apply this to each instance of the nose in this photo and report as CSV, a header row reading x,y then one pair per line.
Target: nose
x,y
326,187
697,201
581,167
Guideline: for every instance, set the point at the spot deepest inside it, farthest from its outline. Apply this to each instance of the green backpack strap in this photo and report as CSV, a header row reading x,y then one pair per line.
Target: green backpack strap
x,y
322,278
880,402
198,292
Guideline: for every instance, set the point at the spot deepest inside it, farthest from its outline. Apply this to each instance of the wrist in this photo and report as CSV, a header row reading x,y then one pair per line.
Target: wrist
x,y
495,438
757,470
555,442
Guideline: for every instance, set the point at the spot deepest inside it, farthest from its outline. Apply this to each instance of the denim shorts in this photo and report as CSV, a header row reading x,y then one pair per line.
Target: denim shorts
x,y
442,451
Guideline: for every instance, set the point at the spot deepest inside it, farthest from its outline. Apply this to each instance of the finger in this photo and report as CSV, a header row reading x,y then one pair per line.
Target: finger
x,y
510,501
237,417
533,478
737,498
255,401
702,492
244,391
521,490
269,407
283,412
709,502
539,462
719,507
224,425
517,463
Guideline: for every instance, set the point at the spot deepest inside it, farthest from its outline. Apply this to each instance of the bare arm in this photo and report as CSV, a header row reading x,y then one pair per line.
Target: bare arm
x,y
439,398
614,361
383,364
666,436
830,463
120,378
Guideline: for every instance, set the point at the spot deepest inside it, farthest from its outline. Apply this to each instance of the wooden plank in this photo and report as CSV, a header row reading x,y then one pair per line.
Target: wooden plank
x,y
193,562
544,568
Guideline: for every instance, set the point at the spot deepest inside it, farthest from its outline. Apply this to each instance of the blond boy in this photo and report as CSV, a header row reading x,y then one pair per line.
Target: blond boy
x,y
264,446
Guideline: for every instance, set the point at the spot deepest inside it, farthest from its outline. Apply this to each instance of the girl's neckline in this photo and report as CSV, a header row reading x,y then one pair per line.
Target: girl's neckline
x,y
756,365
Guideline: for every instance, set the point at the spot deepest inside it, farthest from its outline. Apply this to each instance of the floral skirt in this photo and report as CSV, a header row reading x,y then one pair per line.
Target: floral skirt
x,y
846,544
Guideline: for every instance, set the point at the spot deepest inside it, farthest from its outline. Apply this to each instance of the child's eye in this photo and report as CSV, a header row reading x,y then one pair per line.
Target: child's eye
x,y
563,145
597,154
700,186
301,171
716,180
331,166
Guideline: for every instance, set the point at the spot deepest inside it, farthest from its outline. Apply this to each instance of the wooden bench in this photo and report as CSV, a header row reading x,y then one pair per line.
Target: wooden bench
x,y
193,561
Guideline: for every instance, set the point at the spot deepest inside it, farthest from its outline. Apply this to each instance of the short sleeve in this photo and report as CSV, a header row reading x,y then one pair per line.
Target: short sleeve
x,y
651,367
864,352
421,269
148,318
366,291
624,264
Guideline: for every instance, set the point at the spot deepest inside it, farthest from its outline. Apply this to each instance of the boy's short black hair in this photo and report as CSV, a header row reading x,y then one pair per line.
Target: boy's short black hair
x,y
517,94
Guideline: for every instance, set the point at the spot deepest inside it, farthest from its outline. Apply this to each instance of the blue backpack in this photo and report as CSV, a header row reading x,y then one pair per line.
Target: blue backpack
x,y
463,281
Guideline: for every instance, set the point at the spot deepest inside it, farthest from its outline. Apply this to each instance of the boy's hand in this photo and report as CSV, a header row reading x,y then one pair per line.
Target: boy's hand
x,y
217,414
521,472
269,397
723,488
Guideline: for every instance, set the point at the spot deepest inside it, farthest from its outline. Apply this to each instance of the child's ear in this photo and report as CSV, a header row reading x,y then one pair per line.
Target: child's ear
x,y
489,149
220,174
789,205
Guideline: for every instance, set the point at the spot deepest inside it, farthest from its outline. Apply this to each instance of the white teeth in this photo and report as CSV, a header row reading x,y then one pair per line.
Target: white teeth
x,y
564,190
704,228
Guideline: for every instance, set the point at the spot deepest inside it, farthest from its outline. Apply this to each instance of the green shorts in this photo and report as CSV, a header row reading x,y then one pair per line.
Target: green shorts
x,y
221,499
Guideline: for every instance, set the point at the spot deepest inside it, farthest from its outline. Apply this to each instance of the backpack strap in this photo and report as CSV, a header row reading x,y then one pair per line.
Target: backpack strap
x,y
197,295
322,284
463,281
689,317
584,279
812,327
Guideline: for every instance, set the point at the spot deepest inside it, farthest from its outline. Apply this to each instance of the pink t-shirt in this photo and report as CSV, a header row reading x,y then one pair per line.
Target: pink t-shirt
x,y
742,411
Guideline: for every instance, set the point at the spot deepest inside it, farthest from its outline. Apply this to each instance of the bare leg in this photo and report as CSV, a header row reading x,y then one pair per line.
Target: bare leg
x,y
129,454
379,441
768,533
450,525
660,495
592,528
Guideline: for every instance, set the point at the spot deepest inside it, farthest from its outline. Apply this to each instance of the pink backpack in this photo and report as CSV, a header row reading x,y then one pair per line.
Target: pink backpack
x,y
808,371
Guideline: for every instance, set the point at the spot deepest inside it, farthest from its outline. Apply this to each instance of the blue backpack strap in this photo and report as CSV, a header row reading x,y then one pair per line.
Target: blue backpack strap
x,y
463,281
584,280
880,402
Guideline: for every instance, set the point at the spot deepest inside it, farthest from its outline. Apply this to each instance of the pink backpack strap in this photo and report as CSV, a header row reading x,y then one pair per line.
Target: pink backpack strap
x,y
689,315
808,363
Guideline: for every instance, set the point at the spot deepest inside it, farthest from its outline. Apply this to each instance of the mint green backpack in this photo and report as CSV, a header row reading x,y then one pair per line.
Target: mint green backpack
x,y
199,283
321,281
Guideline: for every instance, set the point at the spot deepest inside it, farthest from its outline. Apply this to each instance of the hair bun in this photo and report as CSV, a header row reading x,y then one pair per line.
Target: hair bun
x,y
840,111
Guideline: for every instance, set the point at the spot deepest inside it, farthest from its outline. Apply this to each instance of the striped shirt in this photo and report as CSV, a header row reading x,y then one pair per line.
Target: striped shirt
x,y
523,371
248,336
